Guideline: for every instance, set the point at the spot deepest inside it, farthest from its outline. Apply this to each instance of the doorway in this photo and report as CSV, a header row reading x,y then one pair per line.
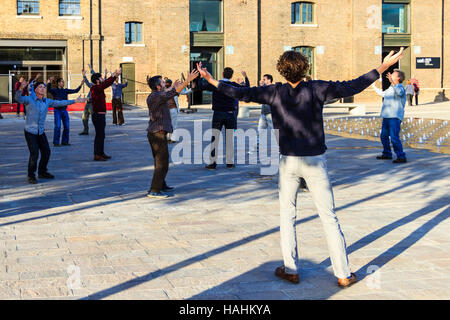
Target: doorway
x,y
209,57
129,92
404,64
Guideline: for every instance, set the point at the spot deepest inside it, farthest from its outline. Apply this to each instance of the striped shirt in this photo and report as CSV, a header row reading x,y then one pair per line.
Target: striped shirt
x,y
158,111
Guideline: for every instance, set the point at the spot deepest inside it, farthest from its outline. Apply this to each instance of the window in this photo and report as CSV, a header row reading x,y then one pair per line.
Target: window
x,y
395,18
69,8
308,52
26,7
133,32
301,13
205,15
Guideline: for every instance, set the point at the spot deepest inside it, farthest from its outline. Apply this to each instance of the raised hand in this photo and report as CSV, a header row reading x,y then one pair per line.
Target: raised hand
x,y
244,74
83,72
191,76
24,84
390,60
79,99
89,66
176,84
203,72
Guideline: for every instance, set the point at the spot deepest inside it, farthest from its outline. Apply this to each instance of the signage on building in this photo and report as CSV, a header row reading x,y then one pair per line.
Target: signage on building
x,y
428,63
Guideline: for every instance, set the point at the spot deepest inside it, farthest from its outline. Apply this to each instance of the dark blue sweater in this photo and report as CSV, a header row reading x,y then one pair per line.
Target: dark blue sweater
x,y
62,94
220,101
297,112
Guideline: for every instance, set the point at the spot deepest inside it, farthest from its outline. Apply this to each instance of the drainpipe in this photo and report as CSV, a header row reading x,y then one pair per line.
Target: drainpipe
x,y
259,41
90,35
100,34
442,46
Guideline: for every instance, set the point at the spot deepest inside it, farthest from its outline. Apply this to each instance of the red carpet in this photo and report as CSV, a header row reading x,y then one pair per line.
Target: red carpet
x,y
5,108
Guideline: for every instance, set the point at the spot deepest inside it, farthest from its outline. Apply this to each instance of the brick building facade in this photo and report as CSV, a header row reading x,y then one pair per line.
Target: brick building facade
x,y
343,38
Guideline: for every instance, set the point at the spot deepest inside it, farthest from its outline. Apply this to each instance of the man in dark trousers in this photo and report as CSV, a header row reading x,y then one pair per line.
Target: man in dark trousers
x,y
24,93
225,115
98,99
60,113
160,124
35,136
297,112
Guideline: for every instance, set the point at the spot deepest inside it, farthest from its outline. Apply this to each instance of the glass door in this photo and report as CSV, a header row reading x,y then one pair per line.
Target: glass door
x,y
208,58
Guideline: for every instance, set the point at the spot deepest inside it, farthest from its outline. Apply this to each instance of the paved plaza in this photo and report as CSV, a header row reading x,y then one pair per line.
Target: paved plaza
x,y
91,233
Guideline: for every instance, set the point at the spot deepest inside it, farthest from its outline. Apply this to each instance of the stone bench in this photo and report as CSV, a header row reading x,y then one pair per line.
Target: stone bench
x,y
354,109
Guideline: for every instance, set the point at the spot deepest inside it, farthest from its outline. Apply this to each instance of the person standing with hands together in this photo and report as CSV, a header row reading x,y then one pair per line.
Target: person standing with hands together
x,y
159,125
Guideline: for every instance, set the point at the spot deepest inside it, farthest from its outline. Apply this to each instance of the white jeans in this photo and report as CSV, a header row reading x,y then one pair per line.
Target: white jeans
x,y
314,170
174,117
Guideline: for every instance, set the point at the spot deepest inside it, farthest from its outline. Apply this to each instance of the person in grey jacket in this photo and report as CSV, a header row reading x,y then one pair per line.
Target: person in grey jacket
x,y
37,106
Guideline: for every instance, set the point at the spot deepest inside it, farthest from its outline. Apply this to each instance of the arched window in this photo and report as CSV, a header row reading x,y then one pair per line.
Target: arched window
x,y
302,13
308,52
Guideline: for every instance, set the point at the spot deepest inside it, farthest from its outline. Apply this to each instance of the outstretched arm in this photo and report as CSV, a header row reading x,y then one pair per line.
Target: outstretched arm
x,y
263,95
62,103
328,90
378,91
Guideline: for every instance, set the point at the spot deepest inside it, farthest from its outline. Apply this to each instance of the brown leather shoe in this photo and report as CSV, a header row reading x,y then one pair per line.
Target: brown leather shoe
x,y
347,282
281,273
99,158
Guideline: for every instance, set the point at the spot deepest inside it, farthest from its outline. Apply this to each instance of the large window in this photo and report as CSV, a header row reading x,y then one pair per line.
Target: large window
x,y
301,13
69,8
205,15
26,7
395,18
133,32
27,53
308,52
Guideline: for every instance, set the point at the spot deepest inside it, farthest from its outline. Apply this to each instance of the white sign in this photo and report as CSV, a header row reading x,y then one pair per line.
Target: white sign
x,y
417,49
287,48
320,49
378,50
229,49
127,59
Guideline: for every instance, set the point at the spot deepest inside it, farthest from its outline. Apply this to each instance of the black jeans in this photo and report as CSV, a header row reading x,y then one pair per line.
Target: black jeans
x,y
229,121
35,144
99,121
160,151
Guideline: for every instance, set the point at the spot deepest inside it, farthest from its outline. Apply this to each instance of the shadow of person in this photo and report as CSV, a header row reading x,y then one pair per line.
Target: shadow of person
x,y
261,283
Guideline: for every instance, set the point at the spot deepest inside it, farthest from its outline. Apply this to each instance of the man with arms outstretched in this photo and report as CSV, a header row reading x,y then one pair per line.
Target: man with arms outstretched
x,y
297,108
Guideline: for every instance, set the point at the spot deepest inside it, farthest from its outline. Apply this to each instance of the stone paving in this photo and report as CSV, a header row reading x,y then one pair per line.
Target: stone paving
x,y
92,234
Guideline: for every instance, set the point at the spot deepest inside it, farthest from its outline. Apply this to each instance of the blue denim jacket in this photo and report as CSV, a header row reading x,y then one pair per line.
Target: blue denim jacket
x,y
37,109
394,102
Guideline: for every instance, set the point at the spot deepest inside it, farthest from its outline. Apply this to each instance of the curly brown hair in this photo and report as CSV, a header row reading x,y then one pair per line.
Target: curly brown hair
x,y
293,66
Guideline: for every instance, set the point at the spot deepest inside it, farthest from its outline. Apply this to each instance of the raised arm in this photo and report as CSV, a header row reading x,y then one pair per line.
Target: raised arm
x,y
71,91
263,95
378,91
247,82
18,96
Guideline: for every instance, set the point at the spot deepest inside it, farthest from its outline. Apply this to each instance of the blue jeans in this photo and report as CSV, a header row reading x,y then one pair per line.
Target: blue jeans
x,y
61,114
391,129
